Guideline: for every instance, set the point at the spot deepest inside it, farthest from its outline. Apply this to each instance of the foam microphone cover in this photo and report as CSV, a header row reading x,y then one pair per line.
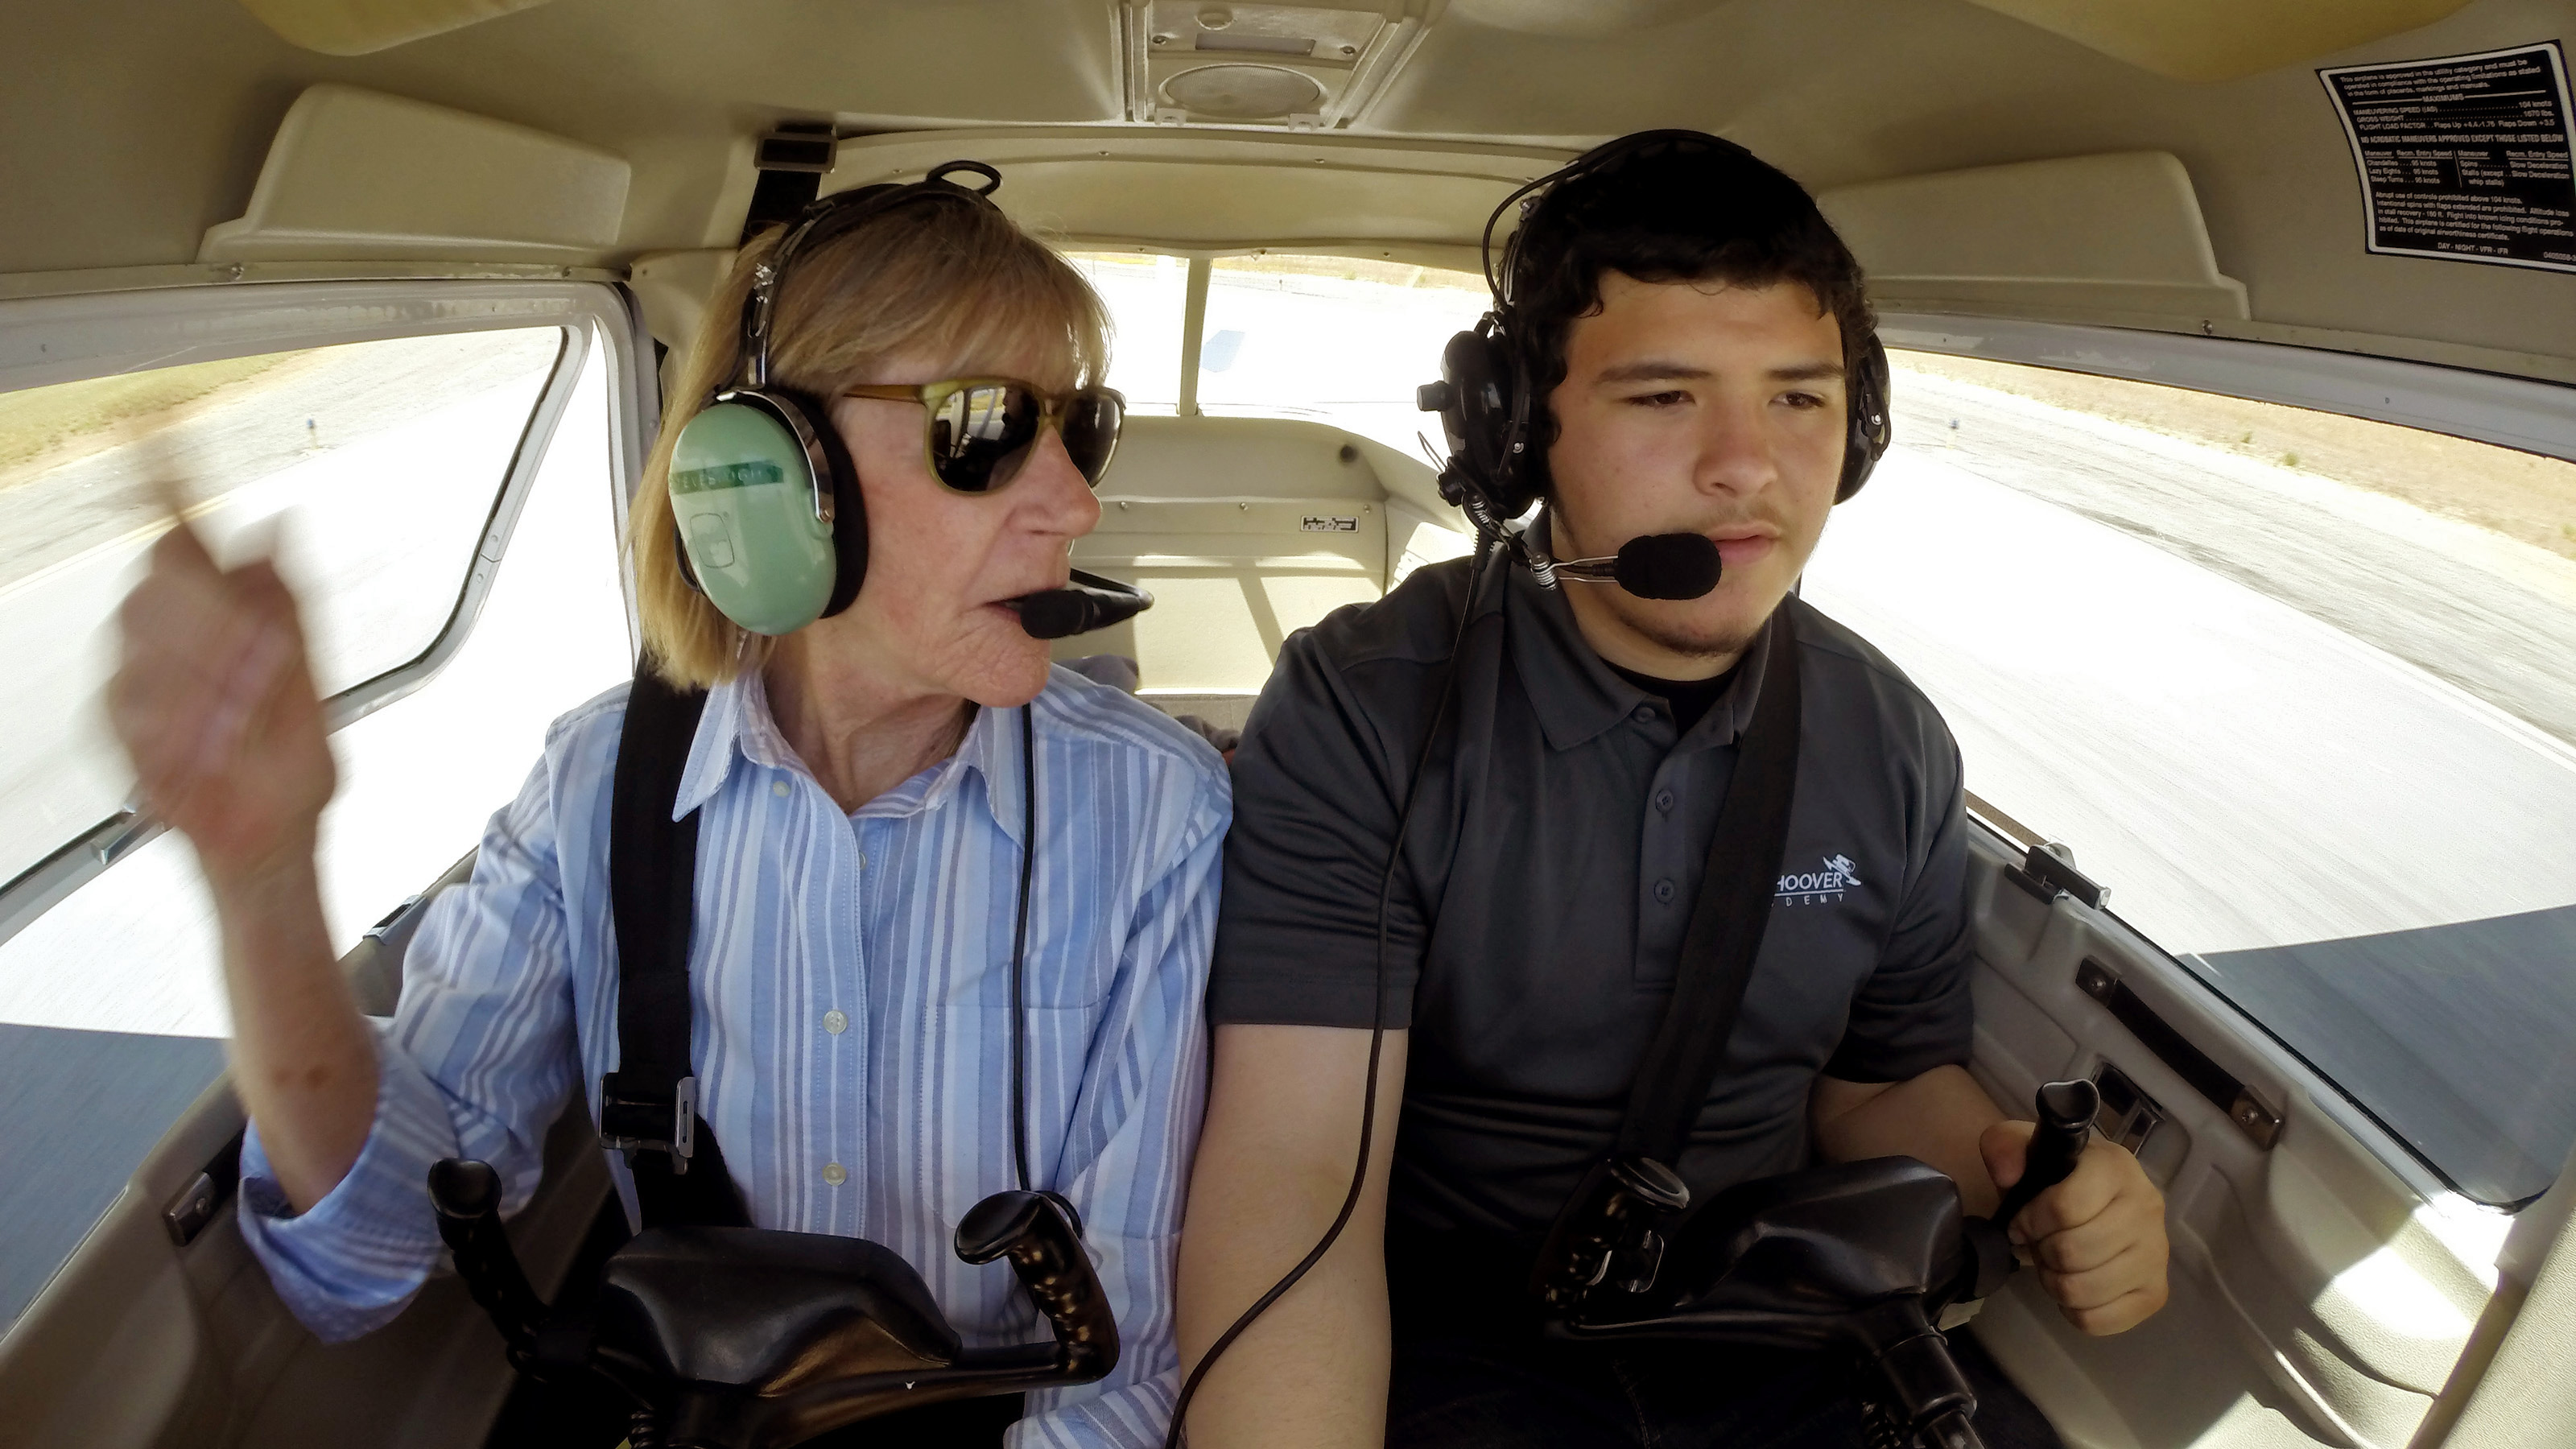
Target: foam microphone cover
x,y
1055,614
1092,602
1667,566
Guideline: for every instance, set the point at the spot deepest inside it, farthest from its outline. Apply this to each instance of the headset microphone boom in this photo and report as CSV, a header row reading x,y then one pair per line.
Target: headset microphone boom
x,y
1652,566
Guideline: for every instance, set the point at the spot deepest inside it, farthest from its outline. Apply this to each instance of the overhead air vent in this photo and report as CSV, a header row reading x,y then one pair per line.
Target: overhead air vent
x,y
1304,67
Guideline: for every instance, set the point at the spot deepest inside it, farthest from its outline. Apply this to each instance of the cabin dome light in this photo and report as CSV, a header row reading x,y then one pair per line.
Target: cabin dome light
x,y
1236,92
1313,65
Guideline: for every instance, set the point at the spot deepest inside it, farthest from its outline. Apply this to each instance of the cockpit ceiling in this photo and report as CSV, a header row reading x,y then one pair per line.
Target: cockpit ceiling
x,y
2194,40
132,126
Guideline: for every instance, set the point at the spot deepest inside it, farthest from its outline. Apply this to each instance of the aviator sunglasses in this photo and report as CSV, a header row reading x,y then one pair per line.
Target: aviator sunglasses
x,y
980,430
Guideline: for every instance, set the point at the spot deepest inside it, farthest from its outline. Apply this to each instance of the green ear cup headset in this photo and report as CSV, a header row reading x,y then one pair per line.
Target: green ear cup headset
x,y
766,503
771,526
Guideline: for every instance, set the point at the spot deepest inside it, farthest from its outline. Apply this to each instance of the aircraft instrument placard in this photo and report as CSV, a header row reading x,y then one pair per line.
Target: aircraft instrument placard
x,y
2465,157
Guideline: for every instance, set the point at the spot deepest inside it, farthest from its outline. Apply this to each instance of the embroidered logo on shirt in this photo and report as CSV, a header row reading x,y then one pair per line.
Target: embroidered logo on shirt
x,y
1818,887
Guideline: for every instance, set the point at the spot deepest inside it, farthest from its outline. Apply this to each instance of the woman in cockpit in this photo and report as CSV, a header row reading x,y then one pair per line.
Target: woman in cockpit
x,y
909,837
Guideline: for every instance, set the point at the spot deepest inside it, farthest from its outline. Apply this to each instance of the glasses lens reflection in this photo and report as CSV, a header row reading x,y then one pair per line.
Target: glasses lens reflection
x,y
981,433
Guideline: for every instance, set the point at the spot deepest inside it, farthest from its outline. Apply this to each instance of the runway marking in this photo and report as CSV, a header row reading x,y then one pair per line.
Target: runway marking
x,y
152,530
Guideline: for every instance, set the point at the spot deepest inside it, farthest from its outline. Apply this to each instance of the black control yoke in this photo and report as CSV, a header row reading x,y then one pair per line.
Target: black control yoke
x,y
2066,1111
1860,1257
746,1338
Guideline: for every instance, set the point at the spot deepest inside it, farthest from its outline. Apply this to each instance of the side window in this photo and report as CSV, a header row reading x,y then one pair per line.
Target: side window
x,y
1147,296
2300,689
1337,339
355,458
385,475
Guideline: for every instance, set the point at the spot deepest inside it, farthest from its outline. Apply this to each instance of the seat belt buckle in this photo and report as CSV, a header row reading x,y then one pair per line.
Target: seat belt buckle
x,y
1606,1232
638,1116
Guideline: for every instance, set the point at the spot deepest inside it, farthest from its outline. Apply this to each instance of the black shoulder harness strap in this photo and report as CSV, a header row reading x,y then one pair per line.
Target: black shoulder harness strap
x,y
649,1106
1727,920
1606,1232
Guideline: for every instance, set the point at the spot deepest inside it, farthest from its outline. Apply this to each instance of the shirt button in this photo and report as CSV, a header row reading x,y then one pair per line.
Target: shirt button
x,y
863,860
1664,892
1664,801
778,788
835,1174
1645,714
835,1023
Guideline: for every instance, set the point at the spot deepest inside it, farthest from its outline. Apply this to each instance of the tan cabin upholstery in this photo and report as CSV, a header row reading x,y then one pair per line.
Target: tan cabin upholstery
x,y
1246,529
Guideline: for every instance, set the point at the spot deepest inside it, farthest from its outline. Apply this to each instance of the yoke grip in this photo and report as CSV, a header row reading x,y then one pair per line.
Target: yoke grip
x,y
467,1195
2065,1124
1035,1230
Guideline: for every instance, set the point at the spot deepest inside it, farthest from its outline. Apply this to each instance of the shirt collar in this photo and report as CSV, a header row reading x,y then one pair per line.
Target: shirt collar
x,y
738,727
1576,696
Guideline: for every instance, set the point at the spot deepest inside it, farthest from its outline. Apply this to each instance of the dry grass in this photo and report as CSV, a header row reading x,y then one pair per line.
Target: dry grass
x,y
43,427
2520,495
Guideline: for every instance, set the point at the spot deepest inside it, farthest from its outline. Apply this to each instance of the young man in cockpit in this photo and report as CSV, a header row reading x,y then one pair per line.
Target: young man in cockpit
x,y
1689,325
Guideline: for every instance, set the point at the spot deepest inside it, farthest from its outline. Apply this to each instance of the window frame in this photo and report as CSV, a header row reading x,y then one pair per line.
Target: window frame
x,y
2514,412
56,339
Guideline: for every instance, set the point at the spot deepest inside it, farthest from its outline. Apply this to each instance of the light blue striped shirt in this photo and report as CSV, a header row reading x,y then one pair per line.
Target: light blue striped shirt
x,y
850,984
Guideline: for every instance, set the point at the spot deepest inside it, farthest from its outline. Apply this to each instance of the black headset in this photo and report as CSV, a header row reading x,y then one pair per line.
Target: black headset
x,y
1485,396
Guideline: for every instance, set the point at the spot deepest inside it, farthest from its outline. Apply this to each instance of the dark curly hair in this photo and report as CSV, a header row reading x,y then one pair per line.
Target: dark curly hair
x,y
1678,206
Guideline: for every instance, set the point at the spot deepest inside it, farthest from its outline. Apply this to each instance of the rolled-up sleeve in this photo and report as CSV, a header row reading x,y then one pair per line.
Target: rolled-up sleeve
x,y
1127,1157
477,1061
1320,803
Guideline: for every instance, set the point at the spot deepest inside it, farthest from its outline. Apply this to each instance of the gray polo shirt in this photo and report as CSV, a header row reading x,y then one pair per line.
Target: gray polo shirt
x,y
1550,869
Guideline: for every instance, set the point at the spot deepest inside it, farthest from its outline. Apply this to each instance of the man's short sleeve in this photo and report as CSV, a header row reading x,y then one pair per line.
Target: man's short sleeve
x,y
1317,787
1914,1011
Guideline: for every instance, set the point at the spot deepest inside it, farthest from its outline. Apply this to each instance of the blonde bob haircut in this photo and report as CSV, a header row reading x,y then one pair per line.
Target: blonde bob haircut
x,y
929,279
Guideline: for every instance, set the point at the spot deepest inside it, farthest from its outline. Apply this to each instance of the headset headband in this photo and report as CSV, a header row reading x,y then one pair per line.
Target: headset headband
x,y
1600,157
1485,397
828,218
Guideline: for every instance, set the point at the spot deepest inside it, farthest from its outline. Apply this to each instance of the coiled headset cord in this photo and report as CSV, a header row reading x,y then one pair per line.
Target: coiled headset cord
x,y
1176,1437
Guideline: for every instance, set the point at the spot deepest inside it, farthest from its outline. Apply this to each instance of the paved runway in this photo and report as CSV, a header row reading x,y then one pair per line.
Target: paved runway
x,y
2314,740
383,500
2240,771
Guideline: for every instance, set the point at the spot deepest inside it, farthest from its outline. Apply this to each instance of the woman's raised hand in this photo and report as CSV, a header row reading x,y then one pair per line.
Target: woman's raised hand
x,y
215,705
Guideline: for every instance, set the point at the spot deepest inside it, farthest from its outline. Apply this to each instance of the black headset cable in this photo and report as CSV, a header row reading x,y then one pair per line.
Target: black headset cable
x,y
1175,1437
1489,541
1020,943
